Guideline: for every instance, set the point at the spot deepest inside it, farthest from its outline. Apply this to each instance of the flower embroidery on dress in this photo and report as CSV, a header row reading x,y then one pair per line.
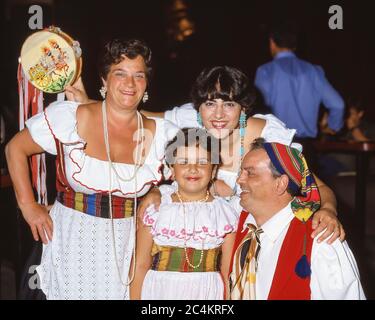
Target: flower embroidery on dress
x,y
209,223
148,220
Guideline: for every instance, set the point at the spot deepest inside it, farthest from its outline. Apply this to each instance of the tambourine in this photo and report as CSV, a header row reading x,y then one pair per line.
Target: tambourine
x,y
51,60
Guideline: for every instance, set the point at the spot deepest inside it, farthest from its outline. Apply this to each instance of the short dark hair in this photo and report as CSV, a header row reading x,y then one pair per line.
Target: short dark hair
x,y
257,144
115,49
285,35
355,103
223,82
193,137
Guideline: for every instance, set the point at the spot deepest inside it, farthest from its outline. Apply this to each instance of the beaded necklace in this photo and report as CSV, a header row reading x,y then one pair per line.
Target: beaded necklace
x,y
205,199
137,165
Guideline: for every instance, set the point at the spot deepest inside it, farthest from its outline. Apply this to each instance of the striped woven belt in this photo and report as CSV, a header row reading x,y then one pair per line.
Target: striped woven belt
x,y
174,259
97,204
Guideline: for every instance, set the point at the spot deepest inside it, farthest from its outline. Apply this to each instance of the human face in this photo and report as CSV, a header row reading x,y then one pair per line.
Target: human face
x,y
220,117
126,82
193,171
354,113
256,180
273,47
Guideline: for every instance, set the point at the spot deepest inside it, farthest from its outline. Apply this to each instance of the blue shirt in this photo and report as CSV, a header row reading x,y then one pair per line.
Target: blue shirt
x,y
294,90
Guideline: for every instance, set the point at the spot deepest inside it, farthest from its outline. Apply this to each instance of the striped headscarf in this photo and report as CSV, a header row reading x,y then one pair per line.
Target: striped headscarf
x,y
291,162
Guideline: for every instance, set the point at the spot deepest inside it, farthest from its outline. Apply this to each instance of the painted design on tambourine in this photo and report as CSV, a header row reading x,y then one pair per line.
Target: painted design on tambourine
x,y
52,71
51,60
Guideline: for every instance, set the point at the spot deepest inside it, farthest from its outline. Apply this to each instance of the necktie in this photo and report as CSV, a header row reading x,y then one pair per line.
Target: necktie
x,y
245,264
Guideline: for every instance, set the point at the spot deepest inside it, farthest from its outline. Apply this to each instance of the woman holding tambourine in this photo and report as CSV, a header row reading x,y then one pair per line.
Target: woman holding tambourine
x,y
89,233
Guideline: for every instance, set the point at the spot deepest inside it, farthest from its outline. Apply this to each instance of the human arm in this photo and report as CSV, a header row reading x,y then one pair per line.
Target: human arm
x,y
273,130
143,260
263,84
323,126
334,273
326,217
17,152
153,197
332,101
77,92
358,135
220,188
226,256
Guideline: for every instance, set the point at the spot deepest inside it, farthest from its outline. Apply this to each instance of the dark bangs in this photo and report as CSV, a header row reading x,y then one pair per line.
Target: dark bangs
x,y
226,83
193,137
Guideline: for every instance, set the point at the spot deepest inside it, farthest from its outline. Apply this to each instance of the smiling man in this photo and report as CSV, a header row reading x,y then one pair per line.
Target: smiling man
x,y
274,256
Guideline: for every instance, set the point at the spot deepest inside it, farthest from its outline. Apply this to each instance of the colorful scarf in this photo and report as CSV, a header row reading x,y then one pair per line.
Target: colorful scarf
x,y
291,162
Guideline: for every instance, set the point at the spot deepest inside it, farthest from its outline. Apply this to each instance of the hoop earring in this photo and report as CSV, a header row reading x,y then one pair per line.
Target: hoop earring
x,y
199,119
243,124
145,97
103,91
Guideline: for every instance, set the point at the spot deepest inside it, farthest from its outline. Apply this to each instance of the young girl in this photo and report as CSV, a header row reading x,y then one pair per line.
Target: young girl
x,y
184,248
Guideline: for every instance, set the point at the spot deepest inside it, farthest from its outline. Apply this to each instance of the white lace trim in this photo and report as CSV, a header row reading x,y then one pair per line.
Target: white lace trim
x,y
87,174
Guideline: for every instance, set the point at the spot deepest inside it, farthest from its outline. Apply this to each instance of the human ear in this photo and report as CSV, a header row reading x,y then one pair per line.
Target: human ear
x,y
282,184
172,171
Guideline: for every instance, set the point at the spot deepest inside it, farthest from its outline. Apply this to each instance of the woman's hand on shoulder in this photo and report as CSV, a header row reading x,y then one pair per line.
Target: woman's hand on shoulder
x,y
77,92
220,188
37,217
153,197
325,219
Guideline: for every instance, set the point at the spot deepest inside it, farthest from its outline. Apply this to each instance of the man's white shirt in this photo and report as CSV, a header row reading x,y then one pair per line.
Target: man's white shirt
x,y
334,271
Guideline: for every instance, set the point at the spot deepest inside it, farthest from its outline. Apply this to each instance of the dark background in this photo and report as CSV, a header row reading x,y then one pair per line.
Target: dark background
x,y
226,32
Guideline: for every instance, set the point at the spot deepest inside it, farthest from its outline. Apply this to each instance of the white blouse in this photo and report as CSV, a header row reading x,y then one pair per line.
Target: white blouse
x,y
196,222
90,175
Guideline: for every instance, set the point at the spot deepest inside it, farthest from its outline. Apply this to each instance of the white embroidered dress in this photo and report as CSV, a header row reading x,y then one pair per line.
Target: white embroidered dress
x,y
206,222
79,262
